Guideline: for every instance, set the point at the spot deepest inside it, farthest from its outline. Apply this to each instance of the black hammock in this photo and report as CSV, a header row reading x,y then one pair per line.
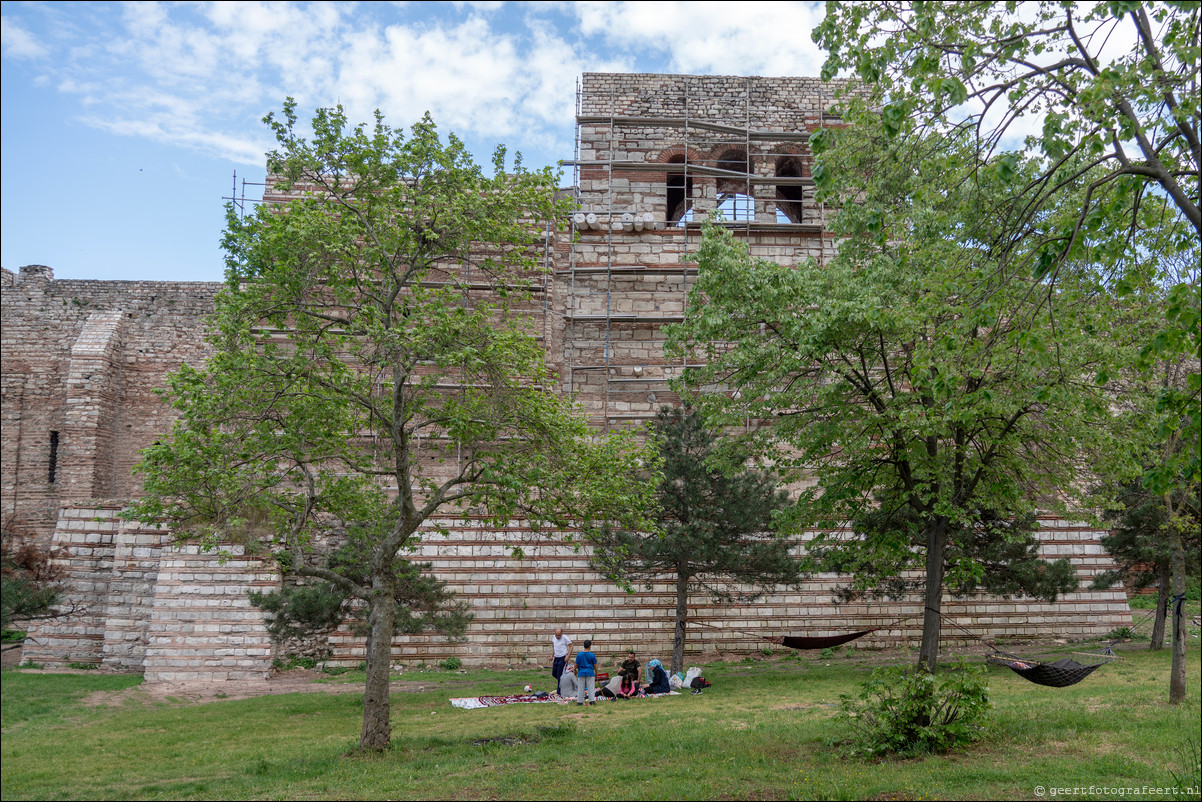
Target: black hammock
x,y
803,642
1054,674
1058,674
820,642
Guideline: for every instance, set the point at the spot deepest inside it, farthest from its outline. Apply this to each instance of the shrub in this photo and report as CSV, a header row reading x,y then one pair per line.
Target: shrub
x,y
1122,633
12,636
903,711
450,664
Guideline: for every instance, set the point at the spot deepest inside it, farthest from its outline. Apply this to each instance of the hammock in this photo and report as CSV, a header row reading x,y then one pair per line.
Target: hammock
x,y
820,642
1059,674
803,642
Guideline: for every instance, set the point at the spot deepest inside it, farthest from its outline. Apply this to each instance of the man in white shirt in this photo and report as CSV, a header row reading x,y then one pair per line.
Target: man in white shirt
x,y
560,649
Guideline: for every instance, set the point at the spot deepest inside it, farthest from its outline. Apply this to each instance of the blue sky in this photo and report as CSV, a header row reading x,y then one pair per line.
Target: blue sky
x,y
124,123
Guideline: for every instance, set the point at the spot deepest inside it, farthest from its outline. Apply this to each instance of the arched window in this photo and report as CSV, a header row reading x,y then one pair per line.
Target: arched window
x,y
736,200
679,195
788,196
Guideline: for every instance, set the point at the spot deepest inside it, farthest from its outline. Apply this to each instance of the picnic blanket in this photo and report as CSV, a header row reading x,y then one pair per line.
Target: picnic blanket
x,y
477,702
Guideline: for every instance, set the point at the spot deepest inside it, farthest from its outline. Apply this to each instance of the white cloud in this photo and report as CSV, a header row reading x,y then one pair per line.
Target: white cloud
x,y
16,42
201,75
713,38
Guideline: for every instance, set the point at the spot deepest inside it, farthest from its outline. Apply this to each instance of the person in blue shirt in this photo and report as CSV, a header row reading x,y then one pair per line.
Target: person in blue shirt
x,y
586,674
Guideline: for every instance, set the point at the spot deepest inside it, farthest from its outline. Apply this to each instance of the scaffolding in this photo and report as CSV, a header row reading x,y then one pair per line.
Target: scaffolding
x,y
695,135
237,197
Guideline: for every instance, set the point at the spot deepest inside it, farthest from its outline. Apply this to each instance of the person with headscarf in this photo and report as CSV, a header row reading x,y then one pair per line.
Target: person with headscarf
x,y
568,686
657,678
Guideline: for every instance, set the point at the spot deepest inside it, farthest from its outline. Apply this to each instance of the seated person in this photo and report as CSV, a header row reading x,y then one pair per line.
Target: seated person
x,y
657,678
627,688
630,667
568,687
611,688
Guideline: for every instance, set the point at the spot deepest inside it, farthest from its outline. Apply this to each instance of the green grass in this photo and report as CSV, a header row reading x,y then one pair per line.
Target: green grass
x,y
765,730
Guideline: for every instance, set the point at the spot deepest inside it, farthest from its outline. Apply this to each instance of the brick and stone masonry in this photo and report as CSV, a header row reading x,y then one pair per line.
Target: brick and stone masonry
x,y
82,361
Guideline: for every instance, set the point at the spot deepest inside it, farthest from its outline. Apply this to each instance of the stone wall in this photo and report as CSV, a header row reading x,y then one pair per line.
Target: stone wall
x,y
137,602
82,361
202,625
711,137
518,602
181,614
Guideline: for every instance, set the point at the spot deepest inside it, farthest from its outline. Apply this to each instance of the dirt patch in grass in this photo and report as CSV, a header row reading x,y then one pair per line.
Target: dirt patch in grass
x,y
297,681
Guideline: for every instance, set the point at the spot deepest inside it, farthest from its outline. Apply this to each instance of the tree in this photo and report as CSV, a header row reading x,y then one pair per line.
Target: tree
x,y
1114,84
373,367
715,527
925,392
1144,554
1113,89
29,588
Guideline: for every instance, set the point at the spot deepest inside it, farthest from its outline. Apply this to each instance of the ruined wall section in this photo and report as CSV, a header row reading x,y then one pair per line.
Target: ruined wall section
x,y
84,359
676,148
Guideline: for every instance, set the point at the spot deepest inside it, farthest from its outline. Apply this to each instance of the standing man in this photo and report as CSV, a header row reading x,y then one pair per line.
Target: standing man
x,y
560,649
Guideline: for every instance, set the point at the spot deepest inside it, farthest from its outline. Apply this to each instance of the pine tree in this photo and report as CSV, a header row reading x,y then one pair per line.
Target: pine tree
x,y
717,527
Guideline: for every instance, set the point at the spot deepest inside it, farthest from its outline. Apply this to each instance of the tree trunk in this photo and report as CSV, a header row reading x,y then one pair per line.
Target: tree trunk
x,y
682,612
928,653
376,709
1177,675
1162,603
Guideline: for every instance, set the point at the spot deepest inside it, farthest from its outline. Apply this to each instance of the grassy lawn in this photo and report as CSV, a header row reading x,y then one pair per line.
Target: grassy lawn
x,y
763,731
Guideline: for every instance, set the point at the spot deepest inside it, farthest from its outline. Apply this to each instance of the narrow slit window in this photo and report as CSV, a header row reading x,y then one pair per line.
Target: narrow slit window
x,y
53,472
789,197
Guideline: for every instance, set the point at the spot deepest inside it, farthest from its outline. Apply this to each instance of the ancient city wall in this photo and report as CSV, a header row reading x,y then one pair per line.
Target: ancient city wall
x,y
82,361
676,148
179,613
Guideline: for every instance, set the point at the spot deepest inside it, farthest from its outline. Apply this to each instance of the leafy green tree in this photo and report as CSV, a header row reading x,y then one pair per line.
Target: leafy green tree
x,y
924,391
1113,84
373,367
1113,89
1110,91
1139,544
716,527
